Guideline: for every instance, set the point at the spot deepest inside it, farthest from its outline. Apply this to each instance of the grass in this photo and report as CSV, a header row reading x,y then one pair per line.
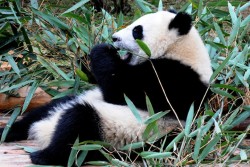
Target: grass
x,y
47,46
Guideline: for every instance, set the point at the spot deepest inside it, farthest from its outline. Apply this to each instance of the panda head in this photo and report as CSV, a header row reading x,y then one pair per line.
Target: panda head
x,y
168,35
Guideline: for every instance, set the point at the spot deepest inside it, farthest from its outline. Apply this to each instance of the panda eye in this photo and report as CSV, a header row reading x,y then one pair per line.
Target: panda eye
x,y
138,32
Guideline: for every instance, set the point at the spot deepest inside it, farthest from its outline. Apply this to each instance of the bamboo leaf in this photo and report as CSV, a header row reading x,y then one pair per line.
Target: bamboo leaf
x,y
160,6
133,109
189,120
73,154
232,13
12,119
29,96
51,19
144,47
88,147
13,64
155,117
219,33
176,140
133,146
34,4
16,86
210,146
119,163
81,75
76,6
158,155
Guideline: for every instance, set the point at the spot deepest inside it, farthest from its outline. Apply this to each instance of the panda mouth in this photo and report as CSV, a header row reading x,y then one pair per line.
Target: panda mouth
x,y
127,57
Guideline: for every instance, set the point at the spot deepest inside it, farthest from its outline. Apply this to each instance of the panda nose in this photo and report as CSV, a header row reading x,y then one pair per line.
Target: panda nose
x,y
115,39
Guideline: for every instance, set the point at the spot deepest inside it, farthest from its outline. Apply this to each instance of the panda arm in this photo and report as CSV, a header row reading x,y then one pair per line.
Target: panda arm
x,y
106,67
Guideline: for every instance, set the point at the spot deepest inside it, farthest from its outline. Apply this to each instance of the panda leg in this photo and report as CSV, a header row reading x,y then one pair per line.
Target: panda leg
x,y
19,130
80,120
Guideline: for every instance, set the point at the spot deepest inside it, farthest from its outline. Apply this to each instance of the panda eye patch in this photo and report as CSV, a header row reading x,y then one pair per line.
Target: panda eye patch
x,y
137,32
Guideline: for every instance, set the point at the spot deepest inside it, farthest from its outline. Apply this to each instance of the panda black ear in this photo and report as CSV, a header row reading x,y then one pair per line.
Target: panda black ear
x,y
182,22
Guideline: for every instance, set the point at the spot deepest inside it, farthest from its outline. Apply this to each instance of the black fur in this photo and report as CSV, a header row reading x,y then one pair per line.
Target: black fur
x,y
138,32
19,130
116,78
182,22
80,120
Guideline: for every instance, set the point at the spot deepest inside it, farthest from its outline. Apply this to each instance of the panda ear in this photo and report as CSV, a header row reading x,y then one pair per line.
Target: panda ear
x,y
182,22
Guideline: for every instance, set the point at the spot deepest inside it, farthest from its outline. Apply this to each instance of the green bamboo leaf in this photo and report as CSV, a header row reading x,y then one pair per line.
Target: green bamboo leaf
x,y
76,17
62,83
234,32
97,163
13,64
133,109
82,75
160,6
232,13
51,19
73,154
243,155
246,75
218,70
47,65
245,21
241,78
119,163
4,26
197,146
64,93
210,146
176,140
59,71
149,155
120,20
29,96
142,6
189,120
16,86
227,124
216,127
76,6
228,87
243,116
245,6
81,157
144,47
133,146
155,117
222,93
150,108
200,8
219,33
34,4
12,119
150,127
88,147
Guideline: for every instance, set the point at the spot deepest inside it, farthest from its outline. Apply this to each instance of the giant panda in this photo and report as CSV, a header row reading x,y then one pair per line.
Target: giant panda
x,y
175,75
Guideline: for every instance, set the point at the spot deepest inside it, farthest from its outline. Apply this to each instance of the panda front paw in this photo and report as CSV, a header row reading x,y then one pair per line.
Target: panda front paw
x,y
103,53
104,60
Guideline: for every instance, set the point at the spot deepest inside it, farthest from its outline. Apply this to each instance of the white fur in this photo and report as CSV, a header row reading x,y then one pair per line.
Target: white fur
x,y
43,130
164,43
119,124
